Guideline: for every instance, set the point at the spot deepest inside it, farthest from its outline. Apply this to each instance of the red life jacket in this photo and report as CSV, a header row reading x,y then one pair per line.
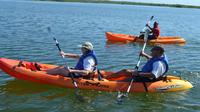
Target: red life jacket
x,y
156,32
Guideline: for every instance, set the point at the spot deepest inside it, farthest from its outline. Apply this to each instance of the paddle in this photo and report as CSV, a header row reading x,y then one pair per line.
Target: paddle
x,y
120,96
145,42
71,75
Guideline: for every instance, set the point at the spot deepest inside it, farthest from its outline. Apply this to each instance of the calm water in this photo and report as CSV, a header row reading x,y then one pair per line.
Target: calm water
x,y
23,35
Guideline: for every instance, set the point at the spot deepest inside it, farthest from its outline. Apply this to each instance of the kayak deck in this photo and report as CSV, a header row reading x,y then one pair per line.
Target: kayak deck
x,y
171,84
115,37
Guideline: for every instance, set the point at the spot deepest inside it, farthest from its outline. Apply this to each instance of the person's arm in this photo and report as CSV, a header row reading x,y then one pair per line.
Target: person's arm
x,y
88,64
149,27
70,55
145,55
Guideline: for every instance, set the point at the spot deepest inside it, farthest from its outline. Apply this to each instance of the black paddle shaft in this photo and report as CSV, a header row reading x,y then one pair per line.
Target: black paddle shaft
x,y
57,44
71,76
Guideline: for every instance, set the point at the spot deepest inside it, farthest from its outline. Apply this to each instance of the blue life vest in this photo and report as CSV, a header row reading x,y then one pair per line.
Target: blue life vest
x,y
79,65
148,67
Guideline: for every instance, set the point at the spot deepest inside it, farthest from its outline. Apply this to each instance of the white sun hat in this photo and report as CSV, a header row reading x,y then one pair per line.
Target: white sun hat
x,y
87,45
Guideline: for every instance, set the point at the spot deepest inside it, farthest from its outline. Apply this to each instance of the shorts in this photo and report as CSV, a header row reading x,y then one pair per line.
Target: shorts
x,y
142,79
150,37
74,75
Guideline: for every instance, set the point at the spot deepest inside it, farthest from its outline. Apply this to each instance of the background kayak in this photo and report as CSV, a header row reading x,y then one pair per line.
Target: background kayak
x,y
114,37
28,71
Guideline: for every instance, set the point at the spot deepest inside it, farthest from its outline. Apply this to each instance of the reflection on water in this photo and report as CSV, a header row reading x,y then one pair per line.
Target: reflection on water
x,y
19,87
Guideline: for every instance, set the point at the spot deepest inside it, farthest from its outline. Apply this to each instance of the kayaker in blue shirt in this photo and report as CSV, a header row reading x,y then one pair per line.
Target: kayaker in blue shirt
x,y
155,67
86,64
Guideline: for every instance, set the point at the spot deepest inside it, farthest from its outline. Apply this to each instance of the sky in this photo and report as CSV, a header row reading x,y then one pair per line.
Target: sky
x,y
185,2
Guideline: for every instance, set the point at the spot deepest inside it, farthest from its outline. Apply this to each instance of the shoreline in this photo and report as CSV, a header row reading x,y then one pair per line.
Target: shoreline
x,y
128,3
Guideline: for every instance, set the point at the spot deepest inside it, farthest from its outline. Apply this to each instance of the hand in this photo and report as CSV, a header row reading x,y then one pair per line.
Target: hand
x,y
68,69
62,53
142,53
135,73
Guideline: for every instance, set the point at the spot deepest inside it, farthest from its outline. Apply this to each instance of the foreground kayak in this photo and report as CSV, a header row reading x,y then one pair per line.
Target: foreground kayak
x,y
9,66
114,37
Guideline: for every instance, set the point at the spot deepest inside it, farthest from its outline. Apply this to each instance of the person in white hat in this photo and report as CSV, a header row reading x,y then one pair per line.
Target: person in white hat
x,y
87,62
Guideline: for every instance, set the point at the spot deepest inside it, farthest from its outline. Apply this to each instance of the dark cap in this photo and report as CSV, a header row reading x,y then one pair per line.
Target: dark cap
x,y
158,48
155,22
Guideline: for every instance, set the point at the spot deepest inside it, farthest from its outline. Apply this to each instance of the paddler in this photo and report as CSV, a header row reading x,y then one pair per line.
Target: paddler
x,y
87,63
154,32
155,67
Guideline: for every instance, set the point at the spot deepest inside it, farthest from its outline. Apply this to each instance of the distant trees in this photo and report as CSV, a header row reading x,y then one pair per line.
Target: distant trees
x,y
128,3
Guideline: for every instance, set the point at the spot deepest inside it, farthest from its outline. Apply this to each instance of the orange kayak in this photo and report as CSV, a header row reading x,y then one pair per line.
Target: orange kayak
x,y
29,74
114,37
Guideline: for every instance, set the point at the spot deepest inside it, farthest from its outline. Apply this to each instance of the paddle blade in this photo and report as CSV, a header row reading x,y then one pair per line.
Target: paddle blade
x,y
55,40
120,97
49,29
151,18
79,96
148,22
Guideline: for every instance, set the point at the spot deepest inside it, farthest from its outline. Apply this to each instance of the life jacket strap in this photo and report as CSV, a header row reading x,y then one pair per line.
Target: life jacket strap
x,y
145,86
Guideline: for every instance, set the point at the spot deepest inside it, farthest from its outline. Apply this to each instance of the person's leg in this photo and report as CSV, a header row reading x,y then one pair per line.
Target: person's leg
x,y
124,72
58,71
141,36
150,37
132,75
